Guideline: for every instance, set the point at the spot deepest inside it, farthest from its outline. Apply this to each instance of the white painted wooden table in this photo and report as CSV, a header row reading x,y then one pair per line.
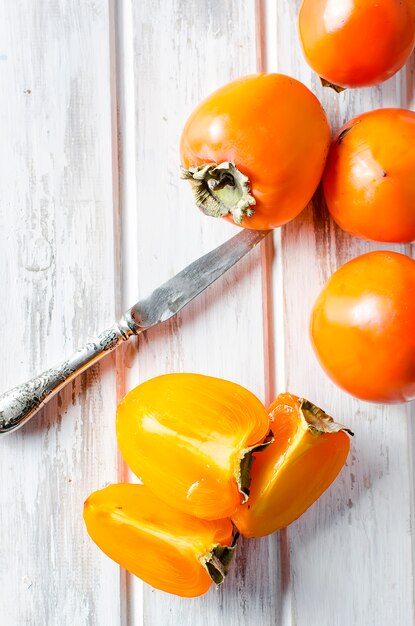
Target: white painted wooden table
x,y
93,96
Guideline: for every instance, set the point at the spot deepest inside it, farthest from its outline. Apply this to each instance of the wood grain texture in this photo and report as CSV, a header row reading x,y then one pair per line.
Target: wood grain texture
x,y
93,86
58,287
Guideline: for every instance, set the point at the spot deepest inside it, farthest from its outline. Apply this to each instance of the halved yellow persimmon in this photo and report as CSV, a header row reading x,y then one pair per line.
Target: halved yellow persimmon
x,y
167,549
308,451
190,439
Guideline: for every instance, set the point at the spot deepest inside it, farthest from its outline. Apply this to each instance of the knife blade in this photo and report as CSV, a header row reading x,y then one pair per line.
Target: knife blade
x,y
21,403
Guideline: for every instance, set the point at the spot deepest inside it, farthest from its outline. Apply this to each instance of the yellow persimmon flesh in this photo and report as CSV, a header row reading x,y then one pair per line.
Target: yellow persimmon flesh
x,y
169,550
188,437
308,452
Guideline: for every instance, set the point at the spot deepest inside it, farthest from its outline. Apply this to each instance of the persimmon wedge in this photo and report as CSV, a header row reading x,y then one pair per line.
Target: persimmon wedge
x,y
308,452
167,549
190,439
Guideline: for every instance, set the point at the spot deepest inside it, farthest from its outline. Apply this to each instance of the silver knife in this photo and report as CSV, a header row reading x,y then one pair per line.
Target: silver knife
x,y
21,403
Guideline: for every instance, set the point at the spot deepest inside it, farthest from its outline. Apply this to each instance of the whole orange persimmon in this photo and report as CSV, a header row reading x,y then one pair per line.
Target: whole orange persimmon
x,y
357,43
363,327
369,180
254,151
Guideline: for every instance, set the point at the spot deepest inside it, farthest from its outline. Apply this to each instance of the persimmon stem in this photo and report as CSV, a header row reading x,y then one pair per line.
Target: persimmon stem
x,y
220,190
243,476
218,561
318,421
327,83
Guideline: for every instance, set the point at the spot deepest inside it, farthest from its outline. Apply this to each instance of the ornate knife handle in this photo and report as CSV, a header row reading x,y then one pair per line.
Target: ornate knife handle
x,y
19,404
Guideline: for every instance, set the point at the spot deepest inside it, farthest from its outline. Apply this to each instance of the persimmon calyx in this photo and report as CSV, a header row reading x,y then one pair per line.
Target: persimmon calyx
x,y
221,189
243,475
218,560
318,421
327,83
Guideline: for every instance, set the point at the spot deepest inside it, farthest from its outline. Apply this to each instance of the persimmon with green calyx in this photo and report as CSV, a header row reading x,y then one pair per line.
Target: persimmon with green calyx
x,y
190,439
369,180
363,327
169,550
356,43
308,452
254,151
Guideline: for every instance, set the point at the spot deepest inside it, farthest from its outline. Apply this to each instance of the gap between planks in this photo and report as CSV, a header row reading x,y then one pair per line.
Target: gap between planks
x,y
125,213
273,294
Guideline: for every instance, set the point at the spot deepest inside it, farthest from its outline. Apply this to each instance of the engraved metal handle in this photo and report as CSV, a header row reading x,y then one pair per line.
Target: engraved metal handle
x,y
19,404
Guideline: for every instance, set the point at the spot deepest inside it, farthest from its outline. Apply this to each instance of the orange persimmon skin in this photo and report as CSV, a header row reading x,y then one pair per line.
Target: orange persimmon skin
x,y
363,327
275,131
357,43
152,540
291,473
183,435
369,180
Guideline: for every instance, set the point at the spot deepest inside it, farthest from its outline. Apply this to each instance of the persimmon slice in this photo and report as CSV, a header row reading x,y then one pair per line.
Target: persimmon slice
x,y
167,549
189,438
308,452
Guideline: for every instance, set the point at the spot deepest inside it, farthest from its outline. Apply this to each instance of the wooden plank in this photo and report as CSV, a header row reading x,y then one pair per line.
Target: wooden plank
x,y
182,52
351,554
58,284
350,558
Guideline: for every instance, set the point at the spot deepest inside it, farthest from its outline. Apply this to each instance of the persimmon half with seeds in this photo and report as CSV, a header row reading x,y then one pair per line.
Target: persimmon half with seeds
x,y
169,550
357,43
369,180
254,151
190,439
363,327
308,452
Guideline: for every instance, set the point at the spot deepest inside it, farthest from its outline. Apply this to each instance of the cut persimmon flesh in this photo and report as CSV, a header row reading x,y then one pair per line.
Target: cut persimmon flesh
x,y
308,452
169,550
189,439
